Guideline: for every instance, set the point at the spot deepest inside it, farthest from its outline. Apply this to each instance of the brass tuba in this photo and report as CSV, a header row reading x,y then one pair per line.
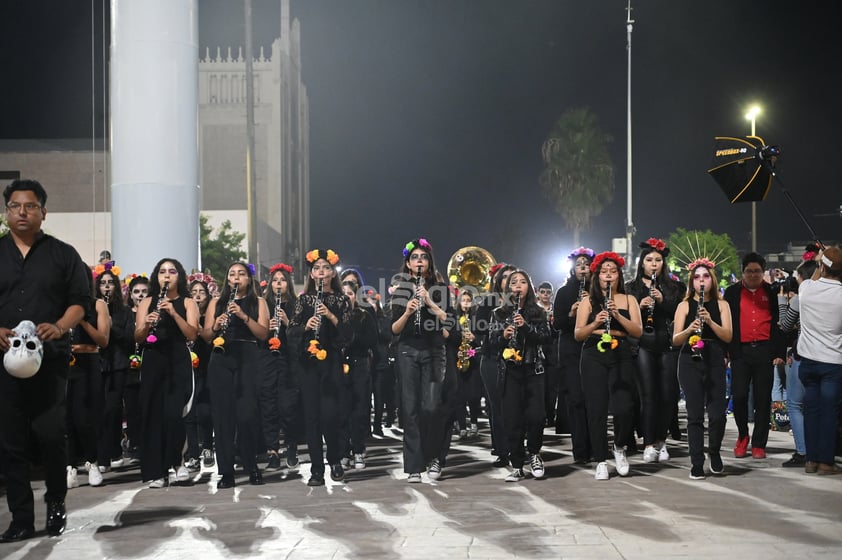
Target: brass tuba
x,y
471,266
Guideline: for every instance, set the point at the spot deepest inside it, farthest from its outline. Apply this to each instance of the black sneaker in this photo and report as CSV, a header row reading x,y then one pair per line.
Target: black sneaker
x,y
56,518
716,466
337,473
255,478
16,533
797,460
697,472
274,462
500,462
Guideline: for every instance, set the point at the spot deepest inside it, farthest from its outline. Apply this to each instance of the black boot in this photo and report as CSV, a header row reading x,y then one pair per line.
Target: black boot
x,y
56,518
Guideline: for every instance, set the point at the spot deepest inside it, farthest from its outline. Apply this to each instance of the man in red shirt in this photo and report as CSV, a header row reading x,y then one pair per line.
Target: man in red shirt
x,y
757,345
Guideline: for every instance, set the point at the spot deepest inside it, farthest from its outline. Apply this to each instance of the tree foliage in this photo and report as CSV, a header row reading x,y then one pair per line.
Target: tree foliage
x,y
578,175
221,248
685,246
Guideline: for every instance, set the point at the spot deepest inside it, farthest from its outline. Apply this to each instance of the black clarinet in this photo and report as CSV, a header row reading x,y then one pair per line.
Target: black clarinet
x,y
275,341
649,326
418,280
152,337
697,346
219,341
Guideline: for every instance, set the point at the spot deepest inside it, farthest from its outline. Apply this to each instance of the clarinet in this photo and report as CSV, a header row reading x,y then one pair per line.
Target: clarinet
x,y
219,341
152,337
275,341
418,280
511,353
649,326
581,289
606,342
318,317
697,344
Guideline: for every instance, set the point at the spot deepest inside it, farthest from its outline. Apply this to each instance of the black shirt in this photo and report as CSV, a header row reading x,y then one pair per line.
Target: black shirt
x,y
43,285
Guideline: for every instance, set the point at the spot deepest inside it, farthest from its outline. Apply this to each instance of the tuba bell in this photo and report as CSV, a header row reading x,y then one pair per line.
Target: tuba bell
x,y
471,266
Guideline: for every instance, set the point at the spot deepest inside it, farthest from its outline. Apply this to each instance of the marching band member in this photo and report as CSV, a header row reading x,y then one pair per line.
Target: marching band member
x,y
357,409
566,304
138,290
280,395
419,314
235,324
703,330
518,329
166,320
489,364
321,327
85,396
199,421
606,317
383,373
657,382
467,366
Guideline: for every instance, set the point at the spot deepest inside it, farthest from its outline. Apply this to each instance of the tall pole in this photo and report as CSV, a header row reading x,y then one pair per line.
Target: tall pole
x,y
751,115
630,230
251,176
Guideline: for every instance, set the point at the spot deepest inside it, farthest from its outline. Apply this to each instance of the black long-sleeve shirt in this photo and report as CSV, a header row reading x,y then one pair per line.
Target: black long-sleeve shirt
x,y
41,286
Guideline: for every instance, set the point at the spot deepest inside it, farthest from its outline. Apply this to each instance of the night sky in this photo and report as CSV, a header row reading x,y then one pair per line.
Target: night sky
x,y
427,117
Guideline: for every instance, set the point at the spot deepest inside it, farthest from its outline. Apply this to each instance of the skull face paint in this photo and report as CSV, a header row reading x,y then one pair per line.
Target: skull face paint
x,y
23,360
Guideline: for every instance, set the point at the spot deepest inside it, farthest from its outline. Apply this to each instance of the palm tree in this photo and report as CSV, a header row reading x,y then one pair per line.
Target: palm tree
x,y
578,175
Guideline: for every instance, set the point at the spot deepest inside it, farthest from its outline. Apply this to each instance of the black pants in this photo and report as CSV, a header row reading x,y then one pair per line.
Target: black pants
x,y
85,403
469,392
33,408
523,411
233,379
165,387
753,366
608,375
322,392
355,418
570,353
199,421
111,427
383,384
703,382
421,375
657,385
490,373
134,414
272,370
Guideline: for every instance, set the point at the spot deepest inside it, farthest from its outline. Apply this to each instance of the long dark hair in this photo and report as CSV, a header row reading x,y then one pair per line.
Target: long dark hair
x,y
335,285
596,293
180,283
529,304
663,276
250,303
269,293
712,290
204,285
115,302
432,276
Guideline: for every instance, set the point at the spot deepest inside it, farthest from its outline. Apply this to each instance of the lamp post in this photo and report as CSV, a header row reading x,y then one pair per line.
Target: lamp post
x,y
751,115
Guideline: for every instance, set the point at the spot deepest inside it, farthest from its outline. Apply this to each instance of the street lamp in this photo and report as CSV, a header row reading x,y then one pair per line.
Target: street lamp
x,y
751,115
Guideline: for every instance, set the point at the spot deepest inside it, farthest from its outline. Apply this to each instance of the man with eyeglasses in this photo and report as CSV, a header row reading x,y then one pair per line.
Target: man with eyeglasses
x,y
45,281
756,347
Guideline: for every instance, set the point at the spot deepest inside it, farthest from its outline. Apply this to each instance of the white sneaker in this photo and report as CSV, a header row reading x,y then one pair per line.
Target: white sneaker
x,y
536,465
157,483
474,430
345,462
515,476
117,463
434,470
621,462
359,461
414,478
182,474
650,454
72,477
663,454
601,471
94,476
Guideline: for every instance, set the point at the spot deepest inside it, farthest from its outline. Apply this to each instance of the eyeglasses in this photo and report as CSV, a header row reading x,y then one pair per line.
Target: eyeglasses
x,y
701,275
27,206
169,271
419,257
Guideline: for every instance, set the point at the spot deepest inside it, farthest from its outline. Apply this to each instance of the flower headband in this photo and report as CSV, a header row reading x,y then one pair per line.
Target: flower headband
x,y
280,266
607,256
107,267
701,261
657,245
326,254
495,268
415,244
581,252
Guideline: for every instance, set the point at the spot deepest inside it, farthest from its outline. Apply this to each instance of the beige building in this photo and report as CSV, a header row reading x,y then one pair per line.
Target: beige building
x,y
75,172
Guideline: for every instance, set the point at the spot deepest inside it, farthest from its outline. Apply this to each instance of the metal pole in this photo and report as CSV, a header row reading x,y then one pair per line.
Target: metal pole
x,y
630,229
251,179
753,209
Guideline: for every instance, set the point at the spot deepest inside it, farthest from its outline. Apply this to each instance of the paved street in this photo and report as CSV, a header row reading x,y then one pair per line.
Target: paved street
x,y
756,510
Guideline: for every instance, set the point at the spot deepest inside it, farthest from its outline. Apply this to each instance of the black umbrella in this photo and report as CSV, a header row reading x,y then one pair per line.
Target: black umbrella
x,y
744,169
740,168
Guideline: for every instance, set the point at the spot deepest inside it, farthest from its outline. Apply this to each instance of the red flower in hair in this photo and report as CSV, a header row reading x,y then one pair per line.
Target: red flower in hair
x,y
656,243
280,266
607,256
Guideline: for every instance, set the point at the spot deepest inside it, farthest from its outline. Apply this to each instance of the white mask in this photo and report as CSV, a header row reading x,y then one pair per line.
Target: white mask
x,y
23,359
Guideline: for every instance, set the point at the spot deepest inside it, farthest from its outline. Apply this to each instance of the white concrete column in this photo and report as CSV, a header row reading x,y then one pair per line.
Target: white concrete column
x,y
154,132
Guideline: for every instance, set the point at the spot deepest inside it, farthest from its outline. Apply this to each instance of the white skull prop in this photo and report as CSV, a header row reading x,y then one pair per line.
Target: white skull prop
x,y
23,359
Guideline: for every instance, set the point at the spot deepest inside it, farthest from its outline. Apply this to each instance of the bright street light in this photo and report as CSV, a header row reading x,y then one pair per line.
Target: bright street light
x,y
751,115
